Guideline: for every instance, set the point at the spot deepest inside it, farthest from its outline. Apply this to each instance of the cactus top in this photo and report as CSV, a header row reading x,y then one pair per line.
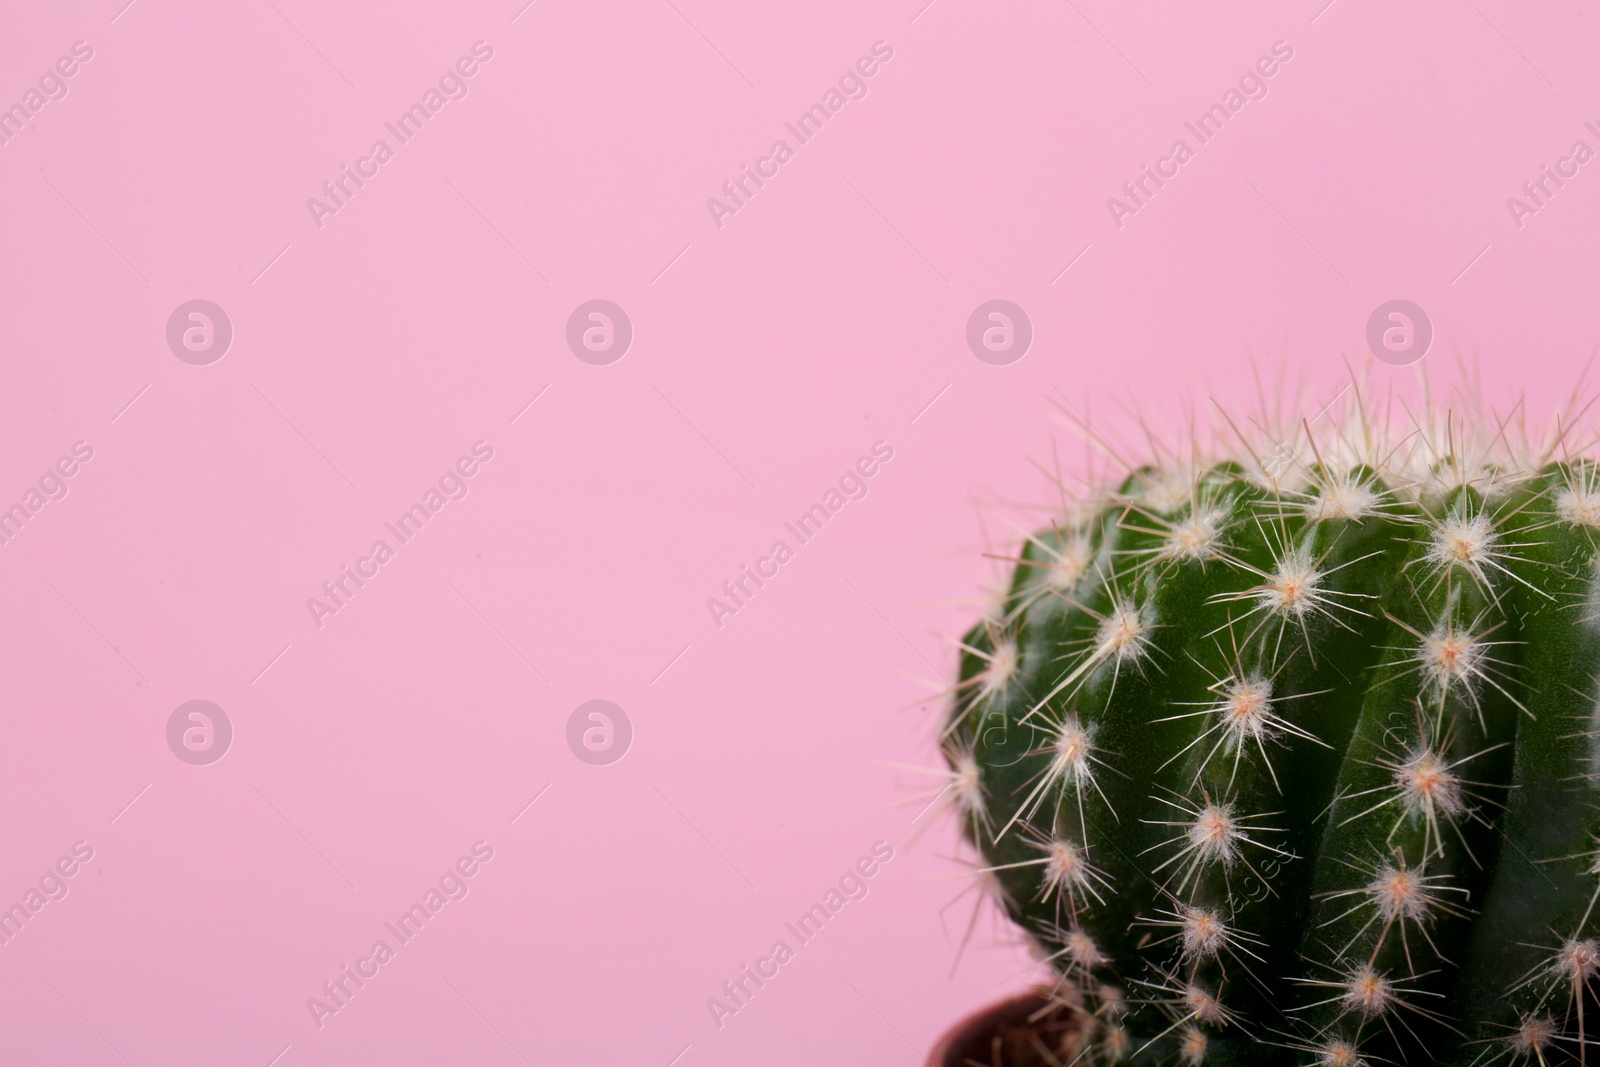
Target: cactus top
x,y
1301,765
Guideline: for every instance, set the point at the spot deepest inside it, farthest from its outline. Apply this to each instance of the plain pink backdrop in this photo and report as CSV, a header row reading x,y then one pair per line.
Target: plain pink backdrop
x,y
768,354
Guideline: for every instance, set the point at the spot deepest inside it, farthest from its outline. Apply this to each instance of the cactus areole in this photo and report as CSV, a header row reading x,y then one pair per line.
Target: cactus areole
x,y
1302,766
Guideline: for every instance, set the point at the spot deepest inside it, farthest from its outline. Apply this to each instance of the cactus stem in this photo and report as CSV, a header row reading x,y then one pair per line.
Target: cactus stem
x,y
1285,731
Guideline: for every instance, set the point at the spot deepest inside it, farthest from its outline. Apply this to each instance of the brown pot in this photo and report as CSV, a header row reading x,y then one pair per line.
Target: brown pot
x,y
1010,1034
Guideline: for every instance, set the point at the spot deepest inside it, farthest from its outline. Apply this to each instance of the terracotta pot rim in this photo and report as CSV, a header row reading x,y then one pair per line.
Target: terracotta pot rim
x,y
978,1025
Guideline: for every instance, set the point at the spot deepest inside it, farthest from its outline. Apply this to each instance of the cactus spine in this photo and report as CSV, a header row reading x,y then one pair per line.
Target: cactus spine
x,y
1298,763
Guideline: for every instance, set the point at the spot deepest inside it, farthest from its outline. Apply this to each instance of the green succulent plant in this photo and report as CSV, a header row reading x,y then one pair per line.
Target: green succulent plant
x,y
1297,760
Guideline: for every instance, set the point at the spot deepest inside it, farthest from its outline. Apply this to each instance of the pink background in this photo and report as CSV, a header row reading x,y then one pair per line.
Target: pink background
x,y
827,314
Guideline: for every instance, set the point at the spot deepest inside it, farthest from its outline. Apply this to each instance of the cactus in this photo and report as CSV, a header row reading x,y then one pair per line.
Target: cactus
x,y
1297,760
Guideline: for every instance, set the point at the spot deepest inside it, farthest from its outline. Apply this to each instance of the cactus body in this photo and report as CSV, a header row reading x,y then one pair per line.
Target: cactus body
x,y
1302,769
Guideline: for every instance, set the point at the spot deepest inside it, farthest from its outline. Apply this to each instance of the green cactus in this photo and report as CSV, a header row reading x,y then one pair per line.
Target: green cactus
x,y
1298,762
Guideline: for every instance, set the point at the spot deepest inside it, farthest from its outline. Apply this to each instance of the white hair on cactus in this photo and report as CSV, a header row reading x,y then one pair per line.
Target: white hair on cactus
x,y
1423,451
1082,950
1344,497
1578,502
1579,505
1451,657
1215,835
1067,564
1168,489
1069,768
1002,666
1291,588
1185,1002
1457,660
1244,716
960,788
1079,953
1404,900
1192,1045
1367,992
1122,638
1400,892
966,788
1124,633
1428,785
1204,933
1071,751
1067,876
1197,536
1295,592
987,687
1423,786
1057,560
1113,1002
1573,964
1338,1053
1204,1005
1534,1036
1577,961
1209,835
1115,1043
1245,710
1465,541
